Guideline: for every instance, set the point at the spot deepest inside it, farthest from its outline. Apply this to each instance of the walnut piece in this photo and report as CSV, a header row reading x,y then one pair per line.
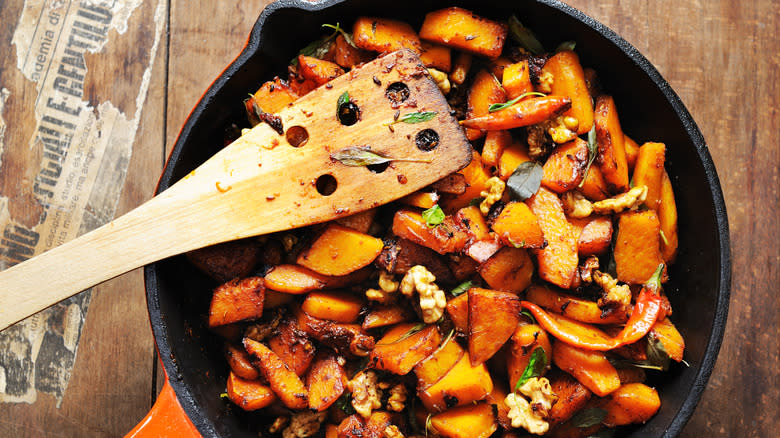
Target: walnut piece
x,y
540,392
396,401
392,431
559,130
616,295
441,79
575,205
587,267
546,80
495,190
387,289
365,394
304,424
432,299
530,416
629,200
278,424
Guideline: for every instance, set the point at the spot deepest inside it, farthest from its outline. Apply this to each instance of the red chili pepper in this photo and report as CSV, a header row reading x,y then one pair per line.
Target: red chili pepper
x,y
642,319
526,112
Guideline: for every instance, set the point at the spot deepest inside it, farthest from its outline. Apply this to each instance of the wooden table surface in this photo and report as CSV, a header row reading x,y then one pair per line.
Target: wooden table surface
x,y
720,56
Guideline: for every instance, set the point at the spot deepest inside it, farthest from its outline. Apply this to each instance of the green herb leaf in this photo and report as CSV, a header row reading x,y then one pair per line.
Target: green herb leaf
x,y
475,202
593,152
418,117
528,315
499,106
566,45
588,417
347,36
417,328
663,237
535,367
525,180
433,216
342,100
523,36
428,424
345,403
357,156
462,288
520,244
656,353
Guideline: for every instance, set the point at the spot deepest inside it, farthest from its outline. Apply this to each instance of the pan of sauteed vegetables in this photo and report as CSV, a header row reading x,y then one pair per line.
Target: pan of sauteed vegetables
x,y
571,281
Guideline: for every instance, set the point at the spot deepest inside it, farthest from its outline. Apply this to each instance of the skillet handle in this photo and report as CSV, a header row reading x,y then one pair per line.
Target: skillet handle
x,y
166,419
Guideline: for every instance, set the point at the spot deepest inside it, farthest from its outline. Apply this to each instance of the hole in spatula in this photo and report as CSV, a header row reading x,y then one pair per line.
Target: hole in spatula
x,y
349,113
297,136
326,184
426,140
397,92
378,168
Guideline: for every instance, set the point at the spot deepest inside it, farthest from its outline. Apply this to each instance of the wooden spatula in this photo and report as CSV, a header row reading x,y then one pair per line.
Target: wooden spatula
x,y
366,138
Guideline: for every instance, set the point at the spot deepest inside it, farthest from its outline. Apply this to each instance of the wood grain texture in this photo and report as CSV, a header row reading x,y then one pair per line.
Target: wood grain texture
x,y
720,56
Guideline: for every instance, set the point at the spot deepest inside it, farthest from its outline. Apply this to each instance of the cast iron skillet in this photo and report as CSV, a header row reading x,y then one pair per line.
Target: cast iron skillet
x,y
178,295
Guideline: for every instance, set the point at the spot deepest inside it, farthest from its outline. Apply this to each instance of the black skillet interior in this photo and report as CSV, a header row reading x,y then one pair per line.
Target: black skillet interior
x,y
178,296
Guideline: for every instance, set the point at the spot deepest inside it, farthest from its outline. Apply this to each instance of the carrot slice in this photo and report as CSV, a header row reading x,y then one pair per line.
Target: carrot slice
x,y
591,368
339,251
649,172
285,383
558,261
595,234
667,216
249,395
612,152
462,29
495,143
569,80
383,316
443,238
384,35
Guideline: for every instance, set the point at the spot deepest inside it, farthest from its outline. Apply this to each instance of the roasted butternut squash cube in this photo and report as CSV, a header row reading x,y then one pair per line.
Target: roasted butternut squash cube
x,y
667,334
573,396
462,29
558,261
318,70
403,347
435,366
249,395
436,56
462,385
292,346
493,316
326,381
274,96
339,251
518,226
333,305
476,177
565,167
630,403
283,381
444,238
508,270
458,310
472,421
384,35
237,300
485,91
591,368
516,79
638,246
649,172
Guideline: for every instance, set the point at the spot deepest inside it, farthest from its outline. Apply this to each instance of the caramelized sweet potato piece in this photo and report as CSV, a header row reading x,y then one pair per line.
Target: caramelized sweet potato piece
x,y
516,79
565,167
249,395
612,152
237,300
493,316
495,143
509,270
475,176
558,261
352,427
518,226
513,156
630,403
462,267
526,112
569,80
595,234
458,310
631,375
595,187
436,56
591,368
454,183
318,70
638,246
444,238
462,385
497,398
572,396
525,339
435,366
383,316
285,383
649,172
274,95
339,251
462,29
347,339
326,381
274,299
359,221
399,255
461,68
472,221
226,261
293,279
333,305
331,431
484,91
347,56
576,308
472,421
240,363
384,35
667,217
398,351
292,346
666,333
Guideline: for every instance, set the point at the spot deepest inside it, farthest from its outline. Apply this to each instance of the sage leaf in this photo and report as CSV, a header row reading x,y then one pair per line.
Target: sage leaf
x,y
656,353
525,180
499,106
535,367
345,403
345,34
357,156
433,216
593,152
417,117
343,99
588,417
462,288
523,36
